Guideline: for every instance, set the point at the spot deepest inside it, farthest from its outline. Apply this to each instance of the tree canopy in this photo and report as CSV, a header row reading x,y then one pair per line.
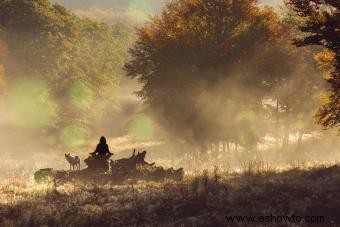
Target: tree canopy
x,y
78,60
207,67
322,28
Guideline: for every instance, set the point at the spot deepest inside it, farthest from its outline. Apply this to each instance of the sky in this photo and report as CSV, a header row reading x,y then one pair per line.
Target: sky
x,y
109,10
157,4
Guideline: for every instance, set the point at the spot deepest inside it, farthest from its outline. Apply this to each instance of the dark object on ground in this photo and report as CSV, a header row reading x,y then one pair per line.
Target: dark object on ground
x,y
134,168
324,172
43,175
137,168
98,162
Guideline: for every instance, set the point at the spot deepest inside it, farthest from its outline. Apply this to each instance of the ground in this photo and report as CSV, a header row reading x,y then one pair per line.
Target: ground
x,y
202,200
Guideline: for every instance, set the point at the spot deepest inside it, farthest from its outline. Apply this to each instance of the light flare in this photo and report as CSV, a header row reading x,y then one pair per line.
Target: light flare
x,y
73,136
30,105
82,95
141,127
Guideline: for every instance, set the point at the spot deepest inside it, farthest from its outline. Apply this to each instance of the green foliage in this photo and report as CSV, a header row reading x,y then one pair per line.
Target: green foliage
x,y
79,59
72,136
141,127
82,96
30,105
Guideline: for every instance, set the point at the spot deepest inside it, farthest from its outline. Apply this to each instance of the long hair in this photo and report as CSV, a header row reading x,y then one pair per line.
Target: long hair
x,y
102,140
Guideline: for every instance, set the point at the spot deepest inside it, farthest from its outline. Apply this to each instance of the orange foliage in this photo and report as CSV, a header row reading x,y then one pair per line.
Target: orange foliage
x,y
325,60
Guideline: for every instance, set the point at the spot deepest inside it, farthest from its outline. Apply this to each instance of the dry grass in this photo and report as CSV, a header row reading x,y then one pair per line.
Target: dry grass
x,y
203,199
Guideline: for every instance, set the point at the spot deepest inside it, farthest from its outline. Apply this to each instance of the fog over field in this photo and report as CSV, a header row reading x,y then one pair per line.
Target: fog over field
x,y
169,112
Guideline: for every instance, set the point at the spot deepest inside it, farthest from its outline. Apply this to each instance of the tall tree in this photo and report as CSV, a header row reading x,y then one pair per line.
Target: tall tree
x,y
205,66
322,28
80,60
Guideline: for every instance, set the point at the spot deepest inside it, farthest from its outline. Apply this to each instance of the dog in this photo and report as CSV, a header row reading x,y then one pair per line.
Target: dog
x,y
74,161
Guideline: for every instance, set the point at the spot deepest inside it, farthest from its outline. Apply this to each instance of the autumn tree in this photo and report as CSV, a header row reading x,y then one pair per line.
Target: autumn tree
x,y
206,67
322,28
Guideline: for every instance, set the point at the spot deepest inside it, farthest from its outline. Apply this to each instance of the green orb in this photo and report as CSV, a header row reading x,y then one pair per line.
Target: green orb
x,y
73,136
141,127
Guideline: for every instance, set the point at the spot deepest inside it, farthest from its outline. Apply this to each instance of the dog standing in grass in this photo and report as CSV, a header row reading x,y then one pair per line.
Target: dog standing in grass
x,y
74,161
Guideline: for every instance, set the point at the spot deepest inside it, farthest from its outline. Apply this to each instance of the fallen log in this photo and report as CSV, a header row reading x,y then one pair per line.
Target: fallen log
x,y
132,168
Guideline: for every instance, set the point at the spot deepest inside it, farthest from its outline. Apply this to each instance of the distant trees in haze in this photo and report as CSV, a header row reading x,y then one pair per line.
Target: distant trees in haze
x,y
212,70
208,67
80,60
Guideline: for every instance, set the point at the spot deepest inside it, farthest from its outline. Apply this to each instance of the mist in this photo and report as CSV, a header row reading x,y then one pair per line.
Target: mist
x,y
169,113
260,105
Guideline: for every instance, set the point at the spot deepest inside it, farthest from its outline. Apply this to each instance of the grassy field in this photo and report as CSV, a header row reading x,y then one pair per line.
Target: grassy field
x,y
202,200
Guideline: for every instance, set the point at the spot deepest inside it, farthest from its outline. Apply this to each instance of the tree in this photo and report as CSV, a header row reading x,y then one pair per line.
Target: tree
x,y
80,60
322,28
205,70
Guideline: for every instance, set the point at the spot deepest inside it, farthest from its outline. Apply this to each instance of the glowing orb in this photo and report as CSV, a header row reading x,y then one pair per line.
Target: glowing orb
x,y
81,95
73,136
141,127
29,104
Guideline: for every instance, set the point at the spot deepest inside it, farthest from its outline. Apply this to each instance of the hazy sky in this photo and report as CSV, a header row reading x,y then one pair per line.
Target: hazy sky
x,y
123,4
156,4
108,10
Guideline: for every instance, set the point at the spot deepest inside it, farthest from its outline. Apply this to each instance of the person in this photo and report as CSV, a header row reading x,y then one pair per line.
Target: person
x,y
102,148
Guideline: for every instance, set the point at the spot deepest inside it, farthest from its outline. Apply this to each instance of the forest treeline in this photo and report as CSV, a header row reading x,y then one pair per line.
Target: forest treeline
x,y
62,72
212,70
230,71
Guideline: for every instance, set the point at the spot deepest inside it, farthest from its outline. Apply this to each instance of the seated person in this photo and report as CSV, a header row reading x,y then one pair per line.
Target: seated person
x,y
102,148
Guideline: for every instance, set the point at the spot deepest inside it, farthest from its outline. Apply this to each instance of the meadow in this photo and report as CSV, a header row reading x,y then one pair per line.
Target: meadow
x,y
201,199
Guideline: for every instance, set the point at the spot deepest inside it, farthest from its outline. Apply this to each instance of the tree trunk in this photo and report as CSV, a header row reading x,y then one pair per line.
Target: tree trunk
x,y
285,142
217,147
236,145
228,146
298,144
223,146
203,148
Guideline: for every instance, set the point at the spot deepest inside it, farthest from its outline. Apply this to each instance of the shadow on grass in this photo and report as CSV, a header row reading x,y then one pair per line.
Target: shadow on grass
x,y
203,200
